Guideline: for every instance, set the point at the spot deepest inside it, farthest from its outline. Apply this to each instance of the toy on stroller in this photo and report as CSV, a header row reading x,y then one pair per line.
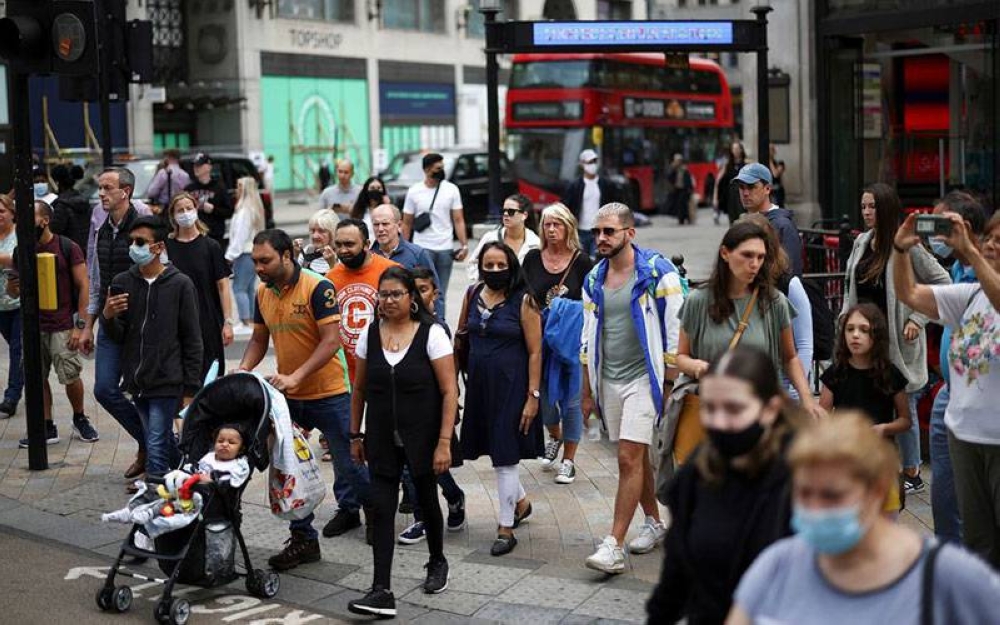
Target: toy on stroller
x,y
195,524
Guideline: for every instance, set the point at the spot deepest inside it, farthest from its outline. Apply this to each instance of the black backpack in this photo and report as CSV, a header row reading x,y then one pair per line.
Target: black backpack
x,y
824,326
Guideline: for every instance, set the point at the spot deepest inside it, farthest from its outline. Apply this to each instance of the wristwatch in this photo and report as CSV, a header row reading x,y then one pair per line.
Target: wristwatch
x,y
80,324
535,393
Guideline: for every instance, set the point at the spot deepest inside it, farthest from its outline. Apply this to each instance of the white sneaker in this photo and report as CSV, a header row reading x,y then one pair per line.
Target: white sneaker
x,y
609,557
567,472
652,534
242,329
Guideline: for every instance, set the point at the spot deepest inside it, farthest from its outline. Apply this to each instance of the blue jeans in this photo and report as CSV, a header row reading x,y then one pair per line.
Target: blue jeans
x,y
944,501
332,416
452,492
158,414
587,243
443,262
570,415
244,285
107,378
909,442
10,328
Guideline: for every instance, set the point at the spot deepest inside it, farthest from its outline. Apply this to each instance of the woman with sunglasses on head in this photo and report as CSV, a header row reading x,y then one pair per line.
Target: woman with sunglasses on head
x,y
731,501
556,271
248,219
502,390
516,233
405,390
372,194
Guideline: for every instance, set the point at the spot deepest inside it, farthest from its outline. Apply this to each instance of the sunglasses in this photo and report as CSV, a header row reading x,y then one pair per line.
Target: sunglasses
x,y
608,232
510,212
140,241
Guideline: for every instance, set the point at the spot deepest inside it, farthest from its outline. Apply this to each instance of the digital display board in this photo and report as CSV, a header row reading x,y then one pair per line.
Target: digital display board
x,y
619,34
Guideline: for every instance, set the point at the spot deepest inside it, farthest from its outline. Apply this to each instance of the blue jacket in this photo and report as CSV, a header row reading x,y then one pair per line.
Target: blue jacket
x,y
656,299
561,358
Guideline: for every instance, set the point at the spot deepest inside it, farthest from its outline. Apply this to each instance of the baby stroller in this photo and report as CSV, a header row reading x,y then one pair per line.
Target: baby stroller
x,y
203,552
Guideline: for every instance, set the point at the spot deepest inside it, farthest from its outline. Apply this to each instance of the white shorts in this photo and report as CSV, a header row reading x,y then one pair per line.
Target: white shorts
x,y
628,410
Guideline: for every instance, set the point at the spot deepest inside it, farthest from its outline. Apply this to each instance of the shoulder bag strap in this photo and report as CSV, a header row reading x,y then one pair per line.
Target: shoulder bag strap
x,y
927,587
744,321
566,271
463,317
435,196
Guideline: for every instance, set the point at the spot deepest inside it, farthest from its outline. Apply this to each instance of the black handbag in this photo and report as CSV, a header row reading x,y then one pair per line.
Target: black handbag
x,y
423,221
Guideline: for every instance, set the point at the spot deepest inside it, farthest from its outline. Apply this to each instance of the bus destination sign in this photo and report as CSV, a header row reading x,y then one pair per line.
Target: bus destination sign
x,y
633,33
656,108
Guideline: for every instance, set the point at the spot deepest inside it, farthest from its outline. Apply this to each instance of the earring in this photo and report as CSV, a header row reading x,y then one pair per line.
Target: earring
x,y
414,308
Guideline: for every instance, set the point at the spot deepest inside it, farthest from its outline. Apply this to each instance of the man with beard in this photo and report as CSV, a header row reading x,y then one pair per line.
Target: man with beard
x,y
631,301
214,204
297,309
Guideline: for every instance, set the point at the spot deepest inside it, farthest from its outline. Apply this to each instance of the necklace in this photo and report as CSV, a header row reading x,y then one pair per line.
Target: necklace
x,y
395,342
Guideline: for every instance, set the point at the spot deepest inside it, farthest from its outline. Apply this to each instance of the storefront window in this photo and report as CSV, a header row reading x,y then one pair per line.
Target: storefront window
x,y
328,10
422,15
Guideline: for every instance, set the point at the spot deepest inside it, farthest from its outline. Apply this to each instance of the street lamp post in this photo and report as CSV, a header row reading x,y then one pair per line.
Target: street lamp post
x,y
489,9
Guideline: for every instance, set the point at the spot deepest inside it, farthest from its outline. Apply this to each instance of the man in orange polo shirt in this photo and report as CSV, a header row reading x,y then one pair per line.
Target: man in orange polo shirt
x,y
355,277
298,309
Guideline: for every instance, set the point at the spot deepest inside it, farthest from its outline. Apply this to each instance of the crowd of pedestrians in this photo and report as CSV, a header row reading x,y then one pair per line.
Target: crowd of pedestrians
x,y
779,506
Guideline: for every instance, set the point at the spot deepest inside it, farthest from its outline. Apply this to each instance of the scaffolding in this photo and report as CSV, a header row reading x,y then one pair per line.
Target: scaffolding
x,y
335,141
54,154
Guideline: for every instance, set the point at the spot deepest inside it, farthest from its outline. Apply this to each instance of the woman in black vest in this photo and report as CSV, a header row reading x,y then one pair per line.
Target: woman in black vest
x,y
405,375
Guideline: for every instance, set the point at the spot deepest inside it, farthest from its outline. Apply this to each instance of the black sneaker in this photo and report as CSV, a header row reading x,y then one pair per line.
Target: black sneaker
x,y
51,436
456,515
437,576
341,523
551,453
405,505
298,550
913,483
413,534
378,601
7,409
84,430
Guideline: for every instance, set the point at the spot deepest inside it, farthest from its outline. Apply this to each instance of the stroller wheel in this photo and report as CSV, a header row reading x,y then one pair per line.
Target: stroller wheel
x,y
180,611
103,597
121,599
263,584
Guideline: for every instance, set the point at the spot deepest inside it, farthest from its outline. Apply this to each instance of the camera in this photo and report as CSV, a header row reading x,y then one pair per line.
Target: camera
x,y
933,225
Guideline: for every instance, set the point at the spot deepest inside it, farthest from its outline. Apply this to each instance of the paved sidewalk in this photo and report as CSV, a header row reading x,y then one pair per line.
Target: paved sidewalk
x,y
542,581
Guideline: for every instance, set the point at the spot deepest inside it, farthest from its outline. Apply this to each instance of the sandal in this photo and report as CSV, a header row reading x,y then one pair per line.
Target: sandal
x,y
520,518
325,445
503,545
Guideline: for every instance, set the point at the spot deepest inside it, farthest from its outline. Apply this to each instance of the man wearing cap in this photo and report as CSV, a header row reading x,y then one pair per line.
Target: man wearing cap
x,y
214,205
585,195
754,182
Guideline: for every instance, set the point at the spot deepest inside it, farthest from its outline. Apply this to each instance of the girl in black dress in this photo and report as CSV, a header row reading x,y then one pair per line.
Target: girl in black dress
x,y
405,384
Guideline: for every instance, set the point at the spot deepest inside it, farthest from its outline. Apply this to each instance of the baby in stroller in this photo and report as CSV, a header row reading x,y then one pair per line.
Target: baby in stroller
x,y
227,462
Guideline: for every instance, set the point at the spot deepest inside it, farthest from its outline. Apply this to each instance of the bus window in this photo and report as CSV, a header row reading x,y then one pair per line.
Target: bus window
x,y
541,74
548,157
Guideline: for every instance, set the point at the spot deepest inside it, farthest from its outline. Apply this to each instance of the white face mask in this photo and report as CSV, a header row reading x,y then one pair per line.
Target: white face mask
x,y
186,219
590,169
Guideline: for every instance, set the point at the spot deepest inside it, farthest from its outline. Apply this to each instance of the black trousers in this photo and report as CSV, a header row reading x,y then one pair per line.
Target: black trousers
x,y
385,498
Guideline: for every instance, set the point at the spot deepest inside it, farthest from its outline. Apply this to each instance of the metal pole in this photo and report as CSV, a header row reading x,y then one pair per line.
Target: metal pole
x,y
104,18
31,347
763,110
493,114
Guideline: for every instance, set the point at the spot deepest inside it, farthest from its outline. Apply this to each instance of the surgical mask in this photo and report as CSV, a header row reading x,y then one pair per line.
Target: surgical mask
x,y
438,175
940,248
497,280
832,531
140,254
41,189
353,262
590,169
733,444
186,219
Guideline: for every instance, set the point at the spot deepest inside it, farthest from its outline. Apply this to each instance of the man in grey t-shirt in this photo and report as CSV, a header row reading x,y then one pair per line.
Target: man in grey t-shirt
x,y
340,197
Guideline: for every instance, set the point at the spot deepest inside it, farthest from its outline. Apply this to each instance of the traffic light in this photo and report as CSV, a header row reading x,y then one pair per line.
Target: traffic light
x,y
58,37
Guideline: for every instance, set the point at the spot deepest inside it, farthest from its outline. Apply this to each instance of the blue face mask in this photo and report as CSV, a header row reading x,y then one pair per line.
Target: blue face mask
x,y
41,189
940,248
140,254
831,531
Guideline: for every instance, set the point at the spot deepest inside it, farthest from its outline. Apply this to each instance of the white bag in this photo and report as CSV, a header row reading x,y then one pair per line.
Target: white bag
x,y
294,484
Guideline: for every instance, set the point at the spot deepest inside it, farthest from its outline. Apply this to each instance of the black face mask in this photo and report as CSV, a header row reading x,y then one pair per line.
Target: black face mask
x,y
496,280
353,262
734,444
375,195
438,175
39,231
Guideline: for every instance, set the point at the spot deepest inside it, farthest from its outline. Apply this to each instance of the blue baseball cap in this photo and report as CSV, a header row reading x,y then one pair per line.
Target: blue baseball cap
x,y
754,172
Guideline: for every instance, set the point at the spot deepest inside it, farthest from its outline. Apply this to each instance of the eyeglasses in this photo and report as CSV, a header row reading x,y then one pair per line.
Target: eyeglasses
x,y
608,232
391,296
510,212
138,241
590,162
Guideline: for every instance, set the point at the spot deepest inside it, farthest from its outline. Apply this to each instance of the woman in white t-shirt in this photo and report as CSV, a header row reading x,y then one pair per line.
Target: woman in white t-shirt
x,y
517,232
971,310
406,392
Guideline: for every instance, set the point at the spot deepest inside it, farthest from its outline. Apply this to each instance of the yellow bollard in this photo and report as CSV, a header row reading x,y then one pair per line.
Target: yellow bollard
x,y
48,298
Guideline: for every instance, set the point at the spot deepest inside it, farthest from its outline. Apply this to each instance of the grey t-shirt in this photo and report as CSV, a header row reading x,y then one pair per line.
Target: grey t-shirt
x,y
709,339
335,195
624,359
785,585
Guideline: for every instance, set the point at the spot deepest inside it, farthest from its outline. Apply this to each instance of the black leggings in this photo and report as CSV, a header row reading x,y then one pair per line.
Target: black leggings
x,y
385,498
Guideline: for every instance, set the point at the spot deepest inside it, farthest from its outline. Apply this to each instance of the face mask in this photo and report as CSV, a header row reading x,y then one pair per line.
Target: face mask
x,y
186,219
438,175
353,262
140,255
375,195
497,280
940,248
41,189
830,532
732,444
590,169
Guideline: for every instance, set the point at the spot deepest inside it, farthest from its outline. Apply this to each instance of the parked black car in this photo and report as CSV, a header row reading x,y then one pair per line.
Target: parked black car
x,y
468,168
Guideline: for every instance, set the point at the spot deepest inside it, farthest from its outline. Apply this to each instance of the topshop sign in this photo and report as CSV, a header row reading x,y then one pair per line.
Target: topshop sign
x,y
309,39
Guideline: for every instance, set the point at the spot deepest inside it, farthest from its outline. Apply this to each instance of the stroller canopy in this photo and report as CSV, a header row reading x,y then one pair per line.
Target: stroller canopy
x,y
239,399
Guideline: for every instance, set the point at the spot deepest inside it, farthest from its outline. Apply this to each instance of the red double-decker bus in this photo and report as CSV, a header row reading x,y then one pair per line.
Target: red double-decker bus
x,y
635,110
